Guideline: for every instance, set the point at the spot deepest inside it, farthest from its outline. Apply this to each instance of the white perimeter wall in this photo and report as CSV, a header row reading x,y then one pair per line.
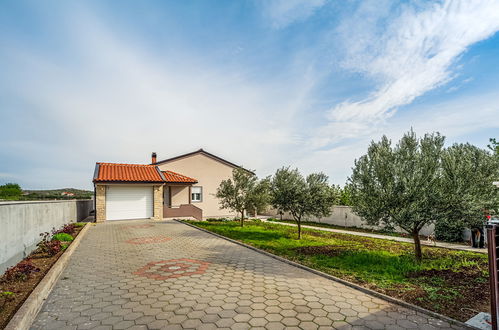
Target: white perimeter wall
x,y
344,216
22,222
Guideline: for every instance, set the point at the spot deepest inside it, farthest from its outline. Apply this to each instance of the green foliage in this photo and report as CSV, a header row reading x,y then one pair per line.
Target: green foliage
x,y
399,186
419,182
494,146
63,237
5,297
65,193
381,262
79,224
243,193
300,196
10,191
448,231
345,196
466,189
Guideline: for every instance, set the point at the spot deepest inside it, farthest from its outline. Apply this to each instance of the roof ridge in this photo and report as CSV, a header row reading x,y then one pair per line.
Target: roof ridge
x,y
125,164
206,153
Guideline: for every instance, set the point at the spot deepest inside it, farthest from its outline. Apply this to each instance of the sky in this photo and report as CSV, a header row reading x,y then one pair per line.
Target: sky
x,y
264,84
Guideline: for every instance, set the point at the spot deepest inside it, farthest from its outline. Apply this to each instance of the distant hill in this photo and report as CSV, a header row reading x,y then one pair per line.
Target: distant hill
x,y
64,193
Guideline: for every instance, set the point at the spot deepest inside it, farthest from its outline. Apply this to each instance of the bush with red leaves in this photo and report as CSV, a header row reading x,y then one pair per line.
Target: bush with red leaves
x,y
20,272
48,246
67,229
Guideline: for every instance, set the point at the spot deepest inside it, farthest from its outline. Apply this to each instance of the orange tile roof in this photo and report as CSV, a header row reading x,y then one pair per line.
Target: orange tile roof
x,y
176,177
111,172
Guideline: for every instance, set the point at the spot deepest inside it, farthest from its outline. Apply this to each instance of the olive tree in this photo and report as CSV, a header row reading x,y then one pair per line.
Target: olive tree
x,y
399,186
291,192
466,189
243,193
494,146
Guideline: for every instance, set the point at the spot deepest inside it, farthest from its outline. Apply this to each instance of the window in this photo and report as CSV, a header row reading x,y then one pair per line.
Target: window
x,y
196,194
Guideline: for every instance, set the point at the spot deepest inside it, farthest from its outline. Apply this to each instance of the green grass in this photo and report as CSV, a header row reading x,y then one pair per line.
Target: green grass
x,y
358,229
63,237
380,264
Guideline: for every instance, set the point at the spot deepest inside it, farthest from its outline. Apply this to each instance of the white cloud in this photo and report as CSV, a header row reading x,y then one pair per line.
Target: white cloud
x,y
407,56
122,102
459,120
281,13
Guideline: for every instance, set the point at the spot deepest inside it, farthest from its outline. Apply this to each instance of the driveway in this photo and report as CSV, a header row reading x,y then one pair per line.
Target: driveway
x,y
167,275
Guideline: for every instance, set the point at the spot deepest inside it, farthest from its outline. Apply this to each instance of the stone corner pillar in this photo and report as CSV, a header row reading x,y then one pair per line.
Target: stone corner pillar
x,y
100,203
158,203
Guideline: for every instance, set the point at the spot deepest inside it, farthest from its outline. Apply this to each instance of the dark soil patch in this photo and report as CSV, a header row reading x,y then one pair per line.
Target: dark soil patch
x,y
461,295
22,289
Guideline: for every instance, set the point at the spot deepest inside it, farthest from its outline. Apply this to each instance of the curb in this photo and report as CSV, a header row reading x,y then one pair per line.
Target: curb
x,y
25,315
337,279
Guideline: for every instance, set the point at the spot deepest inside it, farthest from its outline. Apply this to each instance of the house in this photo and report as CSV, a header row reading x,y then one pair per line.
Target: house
x,y
180,187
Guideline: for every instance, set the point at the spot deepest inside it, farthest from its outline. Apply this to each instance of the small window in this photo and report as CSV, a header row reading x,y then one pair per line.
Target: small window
x,y
196,194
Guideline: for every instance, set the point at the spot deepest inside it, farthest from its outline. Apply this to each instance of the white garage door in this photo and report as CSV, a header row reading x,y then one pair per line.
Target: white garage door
x,y
129,202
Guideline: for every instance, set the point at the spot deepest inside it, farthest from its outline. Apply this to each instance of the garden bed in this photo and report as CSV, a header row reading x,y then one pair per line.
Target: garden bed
x,y
450,282
19,281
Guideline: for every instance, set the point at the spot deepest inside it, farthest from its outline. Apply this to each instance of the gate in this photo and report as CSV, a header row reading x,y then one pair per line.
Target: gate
x,y
493,244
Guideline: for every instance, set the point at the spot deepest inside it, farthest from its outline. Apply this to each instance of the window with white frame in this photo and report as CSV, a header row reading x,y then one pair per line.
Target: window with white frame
x,y
196,194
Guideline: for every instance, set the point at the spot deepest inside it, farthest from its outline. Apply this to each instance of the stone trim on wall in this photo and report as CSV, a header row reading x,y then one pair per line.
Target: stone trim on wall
x,y
100,203
158,203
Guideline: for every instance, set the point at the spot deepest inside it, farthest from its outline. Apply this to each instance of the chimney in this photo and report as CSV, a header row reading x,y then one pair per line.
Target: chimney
x,y
153,158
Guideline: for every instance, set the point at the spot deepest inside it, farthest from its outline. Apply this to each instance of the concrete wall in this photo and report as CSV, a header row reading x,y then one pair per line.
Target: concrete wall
x,y
209,173
344,216
22,222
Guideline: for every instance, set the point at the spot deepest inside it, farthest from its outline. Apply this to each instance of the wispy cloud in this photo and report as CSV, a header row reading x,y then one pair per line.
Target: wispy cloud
x,y
284,12
124,101
406,56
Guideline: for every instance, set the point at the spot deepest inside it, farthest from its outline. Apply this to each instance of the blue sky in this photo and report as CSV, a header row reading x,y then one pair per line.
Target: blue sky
x,y
261,83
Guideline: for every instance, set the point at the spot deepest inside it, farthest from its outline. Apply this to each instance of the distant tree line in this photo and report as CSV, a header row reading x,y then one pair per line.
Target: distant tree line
x,y
13,191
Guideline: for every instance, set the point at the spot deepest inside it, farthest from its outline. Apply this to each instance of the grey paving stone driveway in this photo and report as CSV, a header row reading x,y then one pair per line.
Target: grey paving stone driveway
x,y
151,275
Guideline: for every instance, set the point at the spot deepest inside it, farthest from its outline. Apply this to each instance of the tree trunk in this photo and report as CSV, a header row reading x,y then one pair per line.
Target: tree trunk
x,y
417,245
242,218
299,228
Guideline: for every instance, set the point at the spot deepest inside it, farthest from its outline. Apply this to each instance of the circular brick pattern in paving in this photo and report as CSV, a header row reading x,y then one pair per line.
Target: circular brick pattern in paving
x,y
148,240
144,226
173,268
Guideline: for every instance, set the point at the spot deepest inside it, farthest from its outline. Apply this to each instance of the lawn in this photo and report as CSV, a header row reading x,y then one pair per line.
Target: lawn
x,y
358,229
450,282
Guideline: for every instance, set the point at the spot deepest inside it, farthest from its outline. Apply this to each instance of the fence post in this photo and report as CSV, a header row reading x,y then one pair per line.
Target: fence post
x,y
493,275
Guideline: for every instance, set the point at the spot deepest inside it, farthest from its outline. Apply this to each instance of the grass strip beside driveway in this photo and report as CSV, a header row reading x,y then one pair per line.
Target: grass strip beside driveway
x,y
453,283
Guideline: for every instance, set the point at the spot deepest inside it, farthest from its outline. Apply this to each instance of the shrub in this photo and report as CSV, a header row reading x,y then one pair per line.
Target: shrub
x,y
67,229
218,219
79,224
448,231
20,272
62,237
5,296
49,246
